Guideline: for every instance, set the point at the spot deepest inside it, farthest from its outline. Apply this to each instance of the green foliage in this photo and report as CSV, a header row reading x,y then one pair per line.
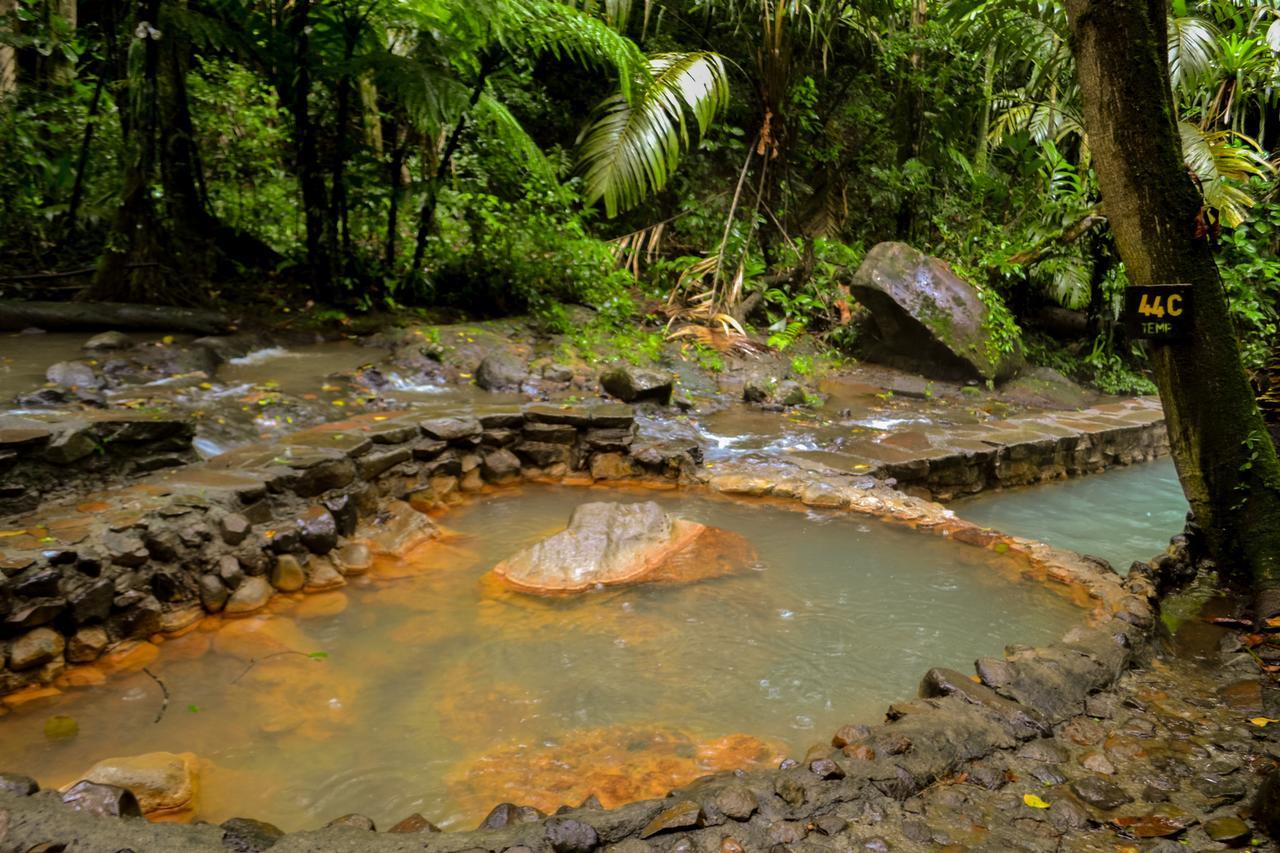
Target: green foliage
x,y
1250,271
497,256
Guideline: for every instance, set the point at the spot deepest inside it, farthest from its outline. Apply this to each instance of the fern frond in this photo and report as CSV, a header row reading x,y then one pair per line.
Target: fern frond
x,y
633,144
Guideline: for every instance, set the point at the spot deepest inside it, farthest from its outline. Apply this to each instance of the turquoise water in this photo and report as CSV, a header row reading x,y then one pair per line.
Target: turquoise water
x,y
1122,515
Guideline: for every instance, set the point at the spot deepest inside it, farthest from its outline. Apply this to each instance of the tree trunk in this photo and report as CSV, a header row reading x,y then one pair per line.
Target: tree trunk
x,y
315,204
111,315
8,56
1225,458
911,117
131,269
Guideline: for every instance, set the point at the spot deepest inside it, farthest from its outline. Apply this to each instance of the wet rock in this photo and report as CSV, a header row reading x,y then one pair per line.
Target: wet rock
x,y
344,512
33,614
685,814
35,649
318,530
140,619
37,582
465,431
731,845
566,835
229,571
1100,793
91,602
1067,814
397,528
846,735
233,528
213,593
1084,731
353,558
500,466
1022,721
1096,762
106,341
611,466
557,373
1044,751
830,824
21,786
324,576
125,549
1167,822
163,782
825,768
611,543
925,317
1220,790
1266,804
506,814
1046,775
500,371
1230,831
988,776
791,790
736,802
353,821
414,823
87,644
252,594
245,835
288,574
102,800
73,374
787,832
632,384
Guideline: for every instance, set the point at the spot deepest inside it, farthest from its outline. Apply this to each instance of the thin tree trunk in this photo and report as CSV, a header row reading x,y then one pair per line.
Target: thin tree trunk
x,y
395,170
427,214
82,161
8,56
984,118
130,270
911,120
315,204
1225,458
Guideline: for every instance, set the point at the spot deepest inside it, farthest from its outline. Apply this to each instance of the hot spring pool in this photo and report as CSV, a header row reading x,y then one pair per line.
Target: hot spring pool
x,y
421,688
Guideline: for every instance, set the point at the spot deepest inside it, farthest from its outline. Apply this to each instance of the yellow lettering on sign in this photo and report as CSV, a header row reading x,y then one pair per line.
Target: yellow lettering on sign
x,y
1175,305
1151,307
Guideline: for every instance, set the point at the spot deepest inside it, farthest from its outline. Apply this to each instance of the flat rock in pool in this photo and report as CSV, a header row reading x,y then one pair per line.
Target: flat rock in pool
x,y
607,544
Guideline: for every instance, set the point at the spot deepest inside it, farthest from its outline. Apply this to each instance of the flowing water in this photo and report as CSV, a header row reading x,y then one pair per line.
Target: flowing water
x,y
1122,515
424,687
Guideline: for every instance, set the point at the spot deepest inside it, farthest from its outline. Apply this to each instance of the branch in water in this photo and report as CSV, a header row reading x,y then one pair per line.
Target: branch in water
x,y
164,705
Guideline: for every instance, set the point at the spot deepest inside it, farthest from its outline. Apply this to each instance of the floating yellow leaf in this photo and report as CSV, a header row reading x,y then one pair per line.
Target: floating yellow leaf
x,y
1034,801
339,402
206,386
1273,622
1263,722
167,339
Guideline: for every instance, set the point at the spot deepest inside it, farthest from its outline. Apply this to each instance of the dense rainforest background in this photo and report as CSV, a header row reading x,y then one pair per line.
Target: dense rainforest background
x,y
718,167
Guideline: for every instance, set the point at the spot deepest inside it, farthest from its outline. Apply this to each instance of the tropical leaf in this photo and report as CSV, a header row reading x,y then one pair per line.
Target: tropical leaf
x,y
1193,50
633,144
494,116
1221,161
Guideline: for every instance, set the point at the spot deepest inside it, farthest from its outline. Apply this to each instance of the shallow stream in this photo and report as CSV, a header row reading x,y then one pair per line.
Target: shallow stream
x,y
424,687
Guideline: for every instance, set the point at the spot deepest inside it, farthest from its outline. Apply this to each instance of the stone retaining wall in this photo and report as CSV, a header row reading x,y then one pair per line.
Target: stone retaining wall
x,y
156,556
46,456
1034,450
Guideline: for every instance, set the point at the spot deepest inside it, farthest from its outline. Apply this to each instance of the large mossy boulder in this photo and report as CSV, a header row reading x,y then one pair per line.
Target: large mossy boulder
x,y
607,544
926,318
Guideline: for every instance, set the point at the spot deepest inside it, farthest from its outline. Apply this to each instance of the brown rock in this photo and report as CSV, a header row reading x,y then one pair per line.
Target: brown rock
x,y
252,594
607,544
36,648
163,782
353,558
414,823
685,814
288,574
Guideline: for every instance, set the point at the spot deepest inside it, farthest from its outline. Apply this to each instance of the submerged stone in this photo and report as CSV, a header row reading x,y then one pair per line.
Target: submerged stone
x,y
163,782
610,543
102,800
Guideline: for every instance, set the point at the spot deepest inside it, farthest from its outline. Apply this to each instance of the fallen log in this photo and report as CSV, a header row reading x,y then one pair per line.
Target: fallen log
x,y
111,315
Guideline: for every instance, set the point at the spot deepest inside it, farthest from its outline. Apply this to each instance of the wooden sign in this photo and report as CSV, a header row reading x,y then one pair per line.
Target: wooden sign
x,y
1163,313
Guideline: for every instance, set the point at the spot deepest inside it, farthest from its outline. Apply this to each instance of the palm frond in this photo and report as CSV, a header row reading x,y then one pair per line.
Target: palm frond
x,y
493,115
544,26
1193,50
633,144
1222,160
